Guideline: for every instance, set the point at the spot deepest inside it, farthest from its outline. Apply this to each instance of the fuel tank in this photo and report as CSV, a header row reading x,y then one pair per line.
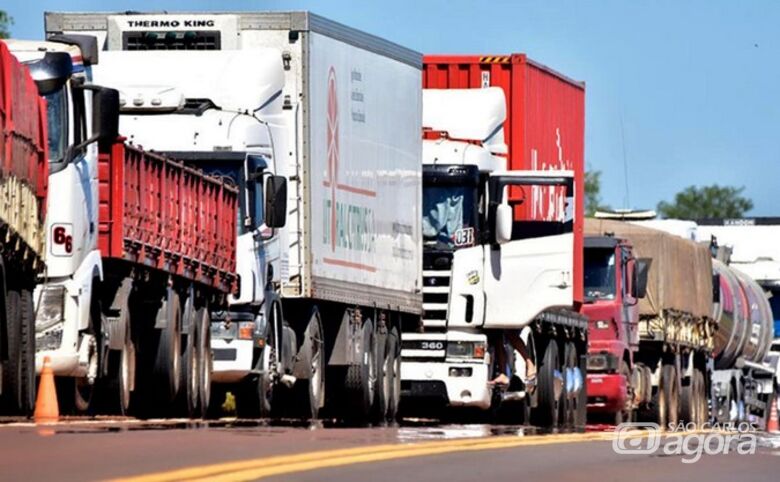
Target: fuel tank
x,y
744,318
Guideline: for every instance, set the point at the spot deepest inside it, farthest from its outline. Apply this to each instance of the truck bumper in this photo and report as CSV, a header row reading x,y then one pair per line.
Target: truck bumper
x,y
606,392
457,384
63,362
232,360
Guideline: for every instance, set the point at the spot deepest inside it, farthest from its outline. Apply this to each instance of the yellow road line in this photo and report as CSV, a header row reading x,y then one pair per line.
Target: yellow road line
x,y
284,464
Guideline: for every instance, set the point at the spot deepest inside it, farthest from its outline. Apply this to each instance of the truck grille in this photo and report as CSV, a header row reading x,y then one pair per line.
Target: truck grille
x,y
205,40
436,294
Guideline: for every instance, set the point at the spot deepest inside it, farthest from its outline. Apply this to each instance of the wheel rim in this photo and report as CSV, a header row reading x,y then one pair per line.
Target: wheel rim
x,y
396,381
386,381
206,361
316,371
371,371
125,374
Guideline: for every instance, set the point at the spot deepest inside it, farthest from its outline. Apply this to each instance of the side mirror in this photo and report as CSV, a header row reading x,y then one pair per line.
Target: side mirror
x,y
105,114
503,226
275,201
51,72
641,271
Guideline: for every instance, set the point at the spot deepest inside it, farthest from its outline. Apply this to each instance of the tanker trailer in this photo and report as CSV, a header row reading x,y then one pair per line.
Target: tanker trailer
x,y
742,384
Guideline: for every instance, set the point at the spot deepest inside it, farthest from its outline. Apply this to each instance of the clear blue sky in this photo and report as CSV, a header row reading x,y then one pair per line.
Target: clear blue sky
x,y
695,84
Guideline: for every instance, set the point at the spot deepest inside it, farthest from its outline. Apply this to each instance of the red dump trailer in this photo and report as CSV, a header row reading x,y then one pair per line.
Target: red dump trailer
x,y
164,215
544,128
23,176
167,239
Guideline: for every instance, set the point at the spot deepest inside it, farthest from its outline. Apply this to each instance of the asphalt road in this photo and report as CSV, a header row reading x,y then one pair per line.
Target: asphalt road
x,y
164,451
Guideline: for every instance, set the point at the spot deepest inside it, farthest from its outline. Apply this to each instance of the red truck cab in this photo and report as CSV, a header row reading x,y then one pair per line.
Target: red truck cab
x,y
614,281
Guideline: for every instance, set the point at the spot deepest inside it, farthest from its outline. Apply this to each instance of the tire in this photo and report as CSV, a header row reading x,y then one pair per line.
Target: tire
x,y
189,374
394,375
568,403
28,352
13,373
360,378
381,384
118,386
703,412
669,378
309,393
205,360
546,412
167,365
625,414
217,398
256,395
688,402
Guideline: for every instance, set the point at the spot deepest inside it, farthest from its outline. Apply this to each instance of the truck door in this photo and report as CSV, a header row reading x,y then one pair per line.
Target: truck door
x,y
532,271
630,310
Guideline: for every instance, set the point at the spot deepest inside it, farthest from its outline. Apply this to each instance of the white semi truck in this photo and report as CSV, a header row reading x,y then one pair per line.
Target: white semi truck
x,y
335,111
122,308
485,272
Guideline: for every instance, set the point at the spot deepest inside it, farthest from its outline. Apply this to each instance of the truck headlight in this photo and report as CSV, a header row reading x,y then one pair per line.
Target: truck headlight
x,y
466,349
224,330
51,340
602,362
51,307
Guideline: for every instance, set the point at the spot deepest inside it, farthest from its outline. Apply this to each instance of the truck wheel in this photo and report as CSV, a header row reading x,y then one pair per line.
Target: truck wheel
x,y
568,403
669,378
310,391
118,386
382,382
394,374
187,397
625,414
548,388
360,379
167,362
256,395
703,412
13,373
28,352
688,402
205,359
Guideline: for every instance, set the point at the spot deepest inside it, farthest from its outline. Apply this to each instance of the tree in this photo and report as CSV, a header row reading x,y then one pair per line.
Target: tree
x,y
706,202
593,193
5,24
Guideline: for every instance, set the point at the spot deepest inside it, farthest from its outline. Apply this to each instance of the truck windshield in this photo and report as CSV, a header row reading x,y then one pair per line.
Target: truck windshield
x,y
599,274
57,122
774,302
232,172
449,218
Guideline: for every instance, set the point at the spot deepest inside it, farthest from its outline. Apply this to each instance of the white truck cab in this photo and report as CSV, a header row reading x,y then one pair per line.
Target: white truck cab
x,y
72,261
480,275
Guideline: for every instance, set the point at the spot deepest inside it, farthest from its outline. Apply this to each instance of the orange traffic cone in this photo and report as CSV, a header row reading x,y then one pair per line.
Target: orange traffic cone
x,y
46,408
773,425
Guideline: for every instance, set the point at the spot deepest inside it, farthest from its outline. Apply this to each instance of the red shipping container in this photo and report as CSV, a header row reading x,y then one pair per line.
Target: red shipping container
x,y
160,213
544,129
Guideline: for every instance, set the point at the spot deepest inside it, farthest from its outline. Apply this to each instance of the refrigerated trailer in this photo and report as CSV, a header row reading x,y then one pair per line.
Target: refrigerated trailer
x,y
23,181
139,248
335,111
502,239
